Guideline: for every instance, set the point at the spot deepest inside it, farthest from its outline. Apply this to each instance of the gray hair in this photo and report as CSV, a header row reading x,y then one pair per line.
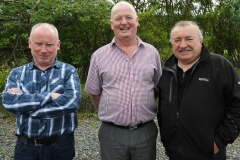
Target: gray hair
x,y
187,23
46,24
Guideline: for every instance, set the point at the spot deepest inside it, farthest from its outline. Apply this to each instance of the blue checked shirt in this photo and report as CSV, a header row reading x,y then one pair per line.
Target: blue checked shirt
x,y
38,116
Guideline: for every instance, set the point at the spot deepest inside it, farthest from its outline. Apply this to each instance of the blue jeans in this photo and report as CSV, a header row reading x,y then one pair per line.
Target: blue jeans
x,y
61,150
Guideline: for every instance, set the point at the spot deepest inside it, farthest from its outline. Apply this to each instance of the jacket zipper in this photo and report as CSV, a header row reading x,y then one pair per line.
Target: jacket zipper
x,y
177,117
170,91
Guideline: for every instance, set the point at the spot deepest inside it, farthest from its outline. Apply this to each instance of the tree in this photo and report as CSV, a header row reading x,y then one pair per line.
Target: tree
x,y
223,33
83,27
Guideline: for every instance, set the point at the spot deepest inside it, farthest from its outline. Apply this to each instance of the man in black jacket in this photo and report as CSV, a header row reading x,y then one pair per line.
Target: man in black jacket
x,y
199,101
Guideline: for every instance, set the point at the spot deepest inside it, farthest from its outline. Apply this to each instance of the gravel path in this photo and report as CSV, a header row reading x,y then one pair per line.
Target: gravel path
x,y
86,138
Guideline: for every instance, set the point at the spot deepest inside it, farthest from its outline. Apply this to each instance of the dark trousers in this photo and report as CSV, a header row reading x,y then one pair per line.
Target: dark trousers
x,y
221,155
123,144
60,150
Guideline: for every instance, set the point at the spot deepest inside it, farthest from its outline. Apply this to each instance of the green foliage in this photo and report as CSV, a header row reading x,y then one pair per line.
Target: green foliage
x,y
221,30
86,110
158,35
3,77
83,27
86,103
238,70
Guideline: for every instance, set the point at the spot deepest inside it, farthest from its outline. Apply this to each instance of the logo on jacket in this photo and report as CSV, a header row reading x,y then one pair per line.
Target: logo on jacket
x,y
239,82
204,79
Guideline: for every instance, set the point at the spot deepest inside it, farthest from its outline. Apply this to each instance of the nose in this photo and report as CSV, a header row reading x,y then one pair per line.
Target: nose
x,y
183,44
124,20
44,48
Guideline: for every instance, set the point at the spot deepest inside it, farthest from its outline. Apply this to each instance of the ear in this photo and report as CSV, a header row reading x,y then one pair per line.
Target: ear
x,y
58,45
111,24
29,43
201,41
137,21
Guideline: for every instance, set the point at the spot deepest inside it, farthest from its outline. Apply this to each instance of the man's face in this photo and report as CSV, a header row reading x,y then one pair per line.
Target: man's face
x,y
124,22
44,46
186,44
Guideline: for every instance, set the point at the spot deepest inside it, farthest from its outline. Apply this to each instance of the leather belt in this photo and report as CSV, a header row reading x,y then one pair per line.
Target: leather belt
x,y
45,141
128,127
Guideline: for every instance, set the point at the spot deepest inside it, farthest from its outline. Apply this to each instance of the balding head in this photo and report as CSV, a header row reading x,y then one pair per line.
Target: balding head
x,y
45,26
120,5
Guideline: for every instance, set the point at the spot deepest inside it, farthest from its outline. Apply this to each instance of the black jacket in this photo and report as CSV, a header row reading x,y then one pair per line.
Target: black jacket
x,y
209,112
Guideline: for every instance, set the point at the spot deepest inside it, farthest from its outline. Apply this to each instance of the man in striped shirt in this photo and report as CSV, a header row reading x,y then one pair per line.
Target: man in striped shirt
x,y
44,95
122,78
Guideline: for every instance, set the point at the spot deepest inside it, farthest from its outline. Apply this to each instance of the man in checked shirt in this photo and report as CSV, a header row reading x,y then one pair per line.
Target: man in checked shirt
x,y
122,78
44,95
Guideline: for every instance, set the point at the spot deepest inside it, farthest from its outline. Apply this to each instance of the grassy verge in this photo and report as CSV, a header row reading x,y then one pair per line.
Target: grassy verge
x,y
87,114
4,114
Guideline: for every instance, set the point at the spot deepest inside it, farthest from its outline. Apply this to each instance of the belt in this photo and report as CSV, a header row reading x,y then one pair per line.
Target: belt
x,y
45,141
128,127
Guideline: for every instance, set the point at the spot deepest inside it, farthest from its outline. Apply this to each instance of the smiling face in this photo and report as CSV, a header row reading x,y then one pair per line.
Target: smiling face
x,y
44,45
124,21
186,43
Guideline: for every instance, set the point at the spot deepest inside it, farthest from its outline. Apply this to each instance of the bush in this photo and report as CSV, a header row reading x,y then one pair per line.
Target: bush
x,y
3,78
86,104
238,70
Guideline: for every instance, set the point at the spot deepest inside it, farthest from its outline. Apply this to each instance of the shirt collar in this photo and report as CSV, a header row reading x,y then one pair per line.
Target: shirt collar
x,y
55,64
140,42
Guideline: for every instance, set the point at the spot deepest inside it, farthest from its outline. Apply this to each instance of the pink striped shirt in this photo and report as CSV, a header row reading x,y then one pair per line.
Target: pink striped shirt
x,y
125,85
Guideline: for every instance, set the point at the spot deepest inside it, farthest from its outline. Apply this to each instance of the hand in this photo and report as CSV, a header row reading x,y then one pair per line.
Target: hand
x,y
55,95
14,91
216,149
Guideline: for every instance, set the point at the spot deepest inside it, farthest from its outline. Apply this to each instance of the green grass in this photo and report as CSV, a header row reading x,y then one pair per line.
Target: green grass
x,y
5,114
87,114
